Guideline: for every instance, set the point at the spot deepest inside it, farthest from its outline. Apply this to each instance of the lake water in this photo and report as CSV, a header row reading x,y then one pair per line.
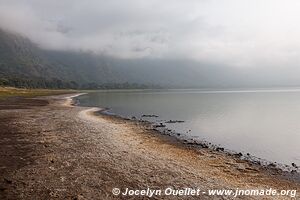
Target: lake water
x,y
264,123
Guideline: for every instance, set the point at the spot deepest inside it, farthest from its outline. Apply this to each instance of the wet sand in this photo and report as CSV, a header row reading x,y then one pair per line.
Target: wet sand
x,y
52,150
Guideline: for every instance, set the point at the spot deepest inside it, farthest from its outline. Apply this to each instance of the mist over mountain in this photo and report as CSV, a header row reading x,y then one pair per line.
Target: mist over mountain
x,y
177,44
20,58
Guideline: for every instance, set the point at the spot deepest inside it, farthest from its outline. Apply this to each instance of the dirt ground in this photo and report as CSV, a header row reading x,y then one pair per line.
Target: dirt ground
x,y
51,150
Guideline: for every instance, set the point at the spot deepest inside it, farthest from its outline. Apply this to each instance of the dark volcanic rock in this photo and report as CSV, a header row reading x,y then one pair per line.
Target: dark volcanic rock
x,y
174,121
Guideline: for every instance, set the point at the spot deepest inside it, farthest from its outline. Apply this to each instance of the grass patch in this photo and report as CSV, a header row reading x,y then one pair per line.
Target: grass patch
x,y
6,92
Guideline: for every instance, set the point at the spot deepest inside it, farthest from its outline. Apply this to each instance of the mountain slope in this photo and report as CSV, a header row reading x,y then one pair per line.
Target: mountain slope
x,y
21,59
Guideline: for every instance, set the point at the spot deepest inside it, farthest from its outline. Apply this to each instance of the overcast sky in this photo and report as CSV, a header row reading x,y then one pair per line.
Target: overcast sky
x,y
238,33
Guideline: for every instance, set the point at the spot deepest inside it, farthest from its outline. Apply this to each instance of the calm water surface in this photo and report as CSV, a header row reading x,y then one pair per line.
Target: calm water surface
x,y
265,123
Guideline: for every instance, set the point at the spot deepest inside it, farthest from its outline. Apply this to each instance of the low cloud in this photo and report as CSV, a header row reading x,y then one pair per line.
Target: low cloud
x,y
242,34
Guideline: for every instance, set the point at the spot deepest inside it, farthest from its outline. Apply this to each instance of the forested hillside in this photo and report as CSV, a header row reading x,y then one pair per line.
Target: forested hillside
x,y
24,64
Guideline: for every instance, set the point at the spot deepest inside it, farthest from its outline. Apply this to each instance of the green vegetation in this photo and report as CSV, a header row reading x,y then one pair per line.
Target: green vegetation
x,y
35,83
54,83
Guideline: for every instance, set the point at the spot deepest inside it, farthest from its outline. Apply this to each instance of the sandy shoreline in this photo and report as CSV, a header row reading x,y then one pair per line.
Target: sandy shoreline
x,y
58,151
